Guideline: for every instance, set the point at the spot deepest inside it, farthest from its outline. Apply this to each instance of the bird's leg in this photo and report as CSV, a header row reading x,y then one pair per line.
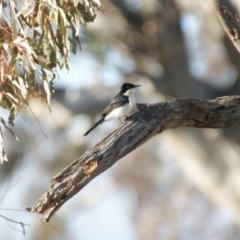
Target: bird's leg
x,y
120,120
127,118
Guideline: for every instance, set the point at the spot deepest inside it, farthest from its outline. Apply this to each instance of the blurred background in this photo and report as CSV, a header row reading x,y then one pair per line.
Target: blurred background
x,y
182,184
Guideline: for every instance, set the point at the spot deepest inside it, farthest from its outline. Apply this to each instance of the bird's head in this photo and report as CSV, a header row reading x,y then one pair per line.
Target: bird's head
x,y
128,89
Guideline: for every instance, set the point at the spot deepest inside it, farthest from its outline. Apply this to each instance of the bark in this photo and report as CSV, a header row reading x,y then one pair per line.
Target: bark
x,y
150,120
230,24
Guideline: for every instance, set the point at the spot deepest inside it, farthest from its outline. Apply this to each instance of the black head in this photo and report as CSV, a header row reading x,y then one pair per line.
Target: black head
x,y
127,86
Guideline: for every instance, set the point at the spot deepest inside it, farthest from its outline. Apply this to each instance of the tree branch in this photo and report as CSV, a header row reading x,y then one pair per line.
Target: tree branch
x,y
230,24
150,120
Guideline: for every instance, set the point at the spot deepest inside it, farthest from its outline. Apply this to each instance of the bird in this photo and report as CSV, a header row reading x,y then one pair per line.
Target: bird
x,y
121,105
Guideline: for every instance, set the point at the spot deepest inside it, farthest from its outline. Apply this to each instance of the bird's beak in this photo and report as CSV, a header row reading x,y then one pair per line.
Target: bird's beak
x,y
137,86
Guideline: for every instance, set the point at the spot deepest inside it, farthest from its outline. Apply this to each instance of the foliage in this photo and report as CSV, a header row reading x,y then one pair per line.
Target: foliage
x,y
36,37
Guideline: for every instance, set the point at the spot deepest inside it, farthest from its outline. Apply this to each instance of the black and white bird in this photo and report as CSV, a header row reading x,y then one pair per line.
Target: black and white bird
x,y
121,105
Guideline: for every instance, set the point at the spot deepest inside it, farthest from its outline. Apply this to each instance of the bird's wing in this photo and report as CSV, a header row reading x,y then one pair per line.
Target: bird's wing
x,y
117,102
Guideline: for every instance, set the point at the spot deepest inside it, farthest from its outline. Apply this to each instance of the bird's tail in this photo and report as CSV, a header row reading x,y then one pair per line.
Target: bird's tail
x,y
95,125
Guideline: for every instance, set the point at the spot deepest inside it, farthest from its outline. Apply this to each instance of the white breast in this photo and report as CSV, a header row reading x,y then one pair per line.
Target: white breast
x,y
123,111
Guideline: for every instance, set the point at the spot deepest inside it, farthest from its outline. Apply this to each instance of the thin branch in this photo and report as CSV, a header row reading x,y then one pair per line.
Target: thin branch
x,y
8,184
14,184
21,223
9,129
39,124
11,209
17,230
151,120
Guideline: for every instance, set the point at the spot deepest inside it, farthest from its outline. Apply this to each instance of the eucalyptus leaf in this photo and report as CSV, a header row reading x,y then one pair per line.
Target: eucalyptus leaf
x,y
48,92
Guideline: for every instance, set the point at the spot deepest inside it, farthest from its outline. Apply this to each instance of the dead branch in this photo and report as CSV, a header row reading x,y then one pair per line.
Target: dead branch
x,y
136,130
231,25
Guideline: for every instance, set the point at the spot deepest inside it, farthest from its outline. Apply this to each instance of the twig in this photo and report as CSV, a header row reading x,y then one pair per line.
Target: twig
x,y
11,209
21,223
14,184
39,125
9,129
8,188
